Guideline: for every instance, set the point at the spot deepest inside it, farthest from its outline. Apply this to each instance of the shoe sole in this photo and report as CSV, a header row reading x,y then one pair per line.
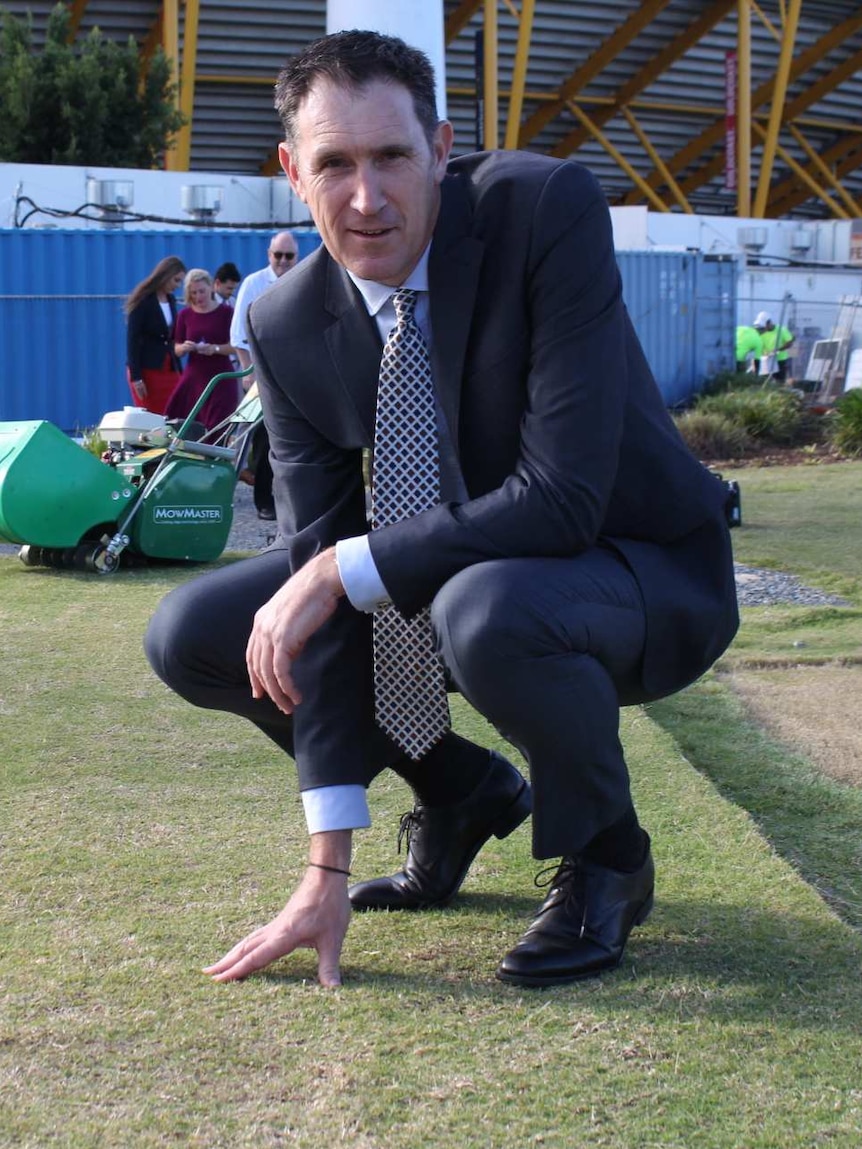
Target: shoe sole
x,y
508,821
548,982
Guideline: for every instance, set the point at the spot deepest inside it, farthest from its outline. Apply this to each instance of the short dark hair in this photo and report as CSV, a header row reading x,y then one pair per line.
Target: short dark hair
x,y
228,273
352,60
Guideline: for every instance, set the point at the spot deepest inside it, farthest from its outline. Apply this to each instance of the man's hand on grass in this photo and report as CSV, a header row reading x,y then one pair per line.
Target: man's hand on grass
x,y
316,917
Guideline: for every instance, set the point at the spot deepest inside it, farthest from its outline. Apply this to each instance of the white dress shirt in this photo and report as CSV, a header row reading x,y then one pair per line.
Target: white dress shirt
x,y
346,807
251,287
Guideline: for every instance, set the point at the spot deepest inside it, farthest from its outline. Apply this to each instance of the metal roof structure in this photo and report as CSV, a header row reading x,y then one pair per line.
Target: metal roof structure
x,y
729,107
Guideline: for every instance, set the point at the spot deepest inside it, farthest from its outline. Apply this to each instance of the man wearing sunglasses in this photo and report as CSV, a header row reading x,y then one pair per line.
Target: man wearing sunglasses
x,y
281,256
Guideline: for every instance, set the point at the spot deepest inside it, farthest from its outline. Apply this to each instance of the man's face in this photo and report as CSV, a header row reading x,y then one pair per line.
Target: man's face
x,y
371,180
282,253
225,288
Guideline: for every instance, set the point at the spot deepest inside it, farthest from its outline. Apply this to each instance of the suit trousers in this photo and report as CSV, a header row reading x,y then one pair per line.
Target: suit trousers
x,y
547,649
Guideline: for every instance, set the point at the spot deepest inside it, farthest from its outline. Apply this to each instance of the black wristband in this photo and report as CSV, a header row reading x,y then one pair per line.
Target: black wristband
x,y
329,869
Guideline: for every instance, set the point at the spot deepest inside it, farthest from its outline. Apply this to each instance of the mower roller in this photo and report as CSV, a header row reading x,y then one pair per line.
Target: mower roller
x,y
168,497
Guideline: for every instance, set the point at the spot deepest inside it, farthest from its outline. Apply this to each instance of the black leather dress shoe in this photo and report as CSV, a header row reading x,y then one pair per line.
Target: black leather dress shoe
x,y
583,925
442,841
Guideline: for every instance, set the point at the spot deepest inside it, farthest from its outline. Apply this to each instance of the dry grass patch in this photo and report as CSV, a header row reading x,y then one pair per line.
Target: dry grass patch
x,y
815,710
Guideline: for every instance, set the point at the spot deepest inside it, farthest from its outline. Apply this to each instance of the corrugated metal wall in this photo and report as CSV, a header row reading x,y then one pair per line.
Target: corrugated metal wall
x,y
683,307
62,328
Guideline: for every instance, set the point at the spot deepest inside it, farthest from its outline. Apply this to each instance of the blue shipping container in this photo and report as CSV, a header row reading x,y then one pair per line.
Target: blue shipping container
x,y
62,327
683,307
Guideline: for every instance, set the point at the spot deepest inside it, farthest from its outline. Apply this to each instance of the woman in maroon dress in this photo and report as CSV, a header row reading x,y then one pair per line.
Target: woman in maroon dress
x,y
203,334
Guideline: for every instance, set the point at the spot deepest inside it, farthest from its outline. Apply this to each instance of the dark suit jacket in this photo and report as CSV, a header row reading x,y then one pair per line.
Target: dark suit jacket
x,y
148,337
560,430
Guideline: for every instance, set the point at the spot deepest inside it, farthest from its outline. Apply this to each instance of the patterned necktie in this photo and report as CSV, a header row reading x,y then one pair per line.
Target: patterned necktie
x,y
409,685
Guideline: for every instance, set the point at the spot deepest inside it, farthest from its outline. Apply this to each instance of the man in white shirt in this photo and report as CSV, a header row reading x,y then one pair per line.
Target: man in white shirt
x,y
225,282
281,256
556,585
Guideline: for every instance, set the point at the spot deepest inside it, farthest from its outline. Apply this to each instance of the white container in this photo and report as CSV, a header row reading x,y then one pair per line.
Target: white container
x,y
126,426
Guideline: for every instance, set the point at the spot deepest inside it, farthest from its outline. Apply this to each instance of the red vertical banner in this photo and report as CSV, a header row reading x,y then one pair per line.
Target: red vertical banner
x,y
730,84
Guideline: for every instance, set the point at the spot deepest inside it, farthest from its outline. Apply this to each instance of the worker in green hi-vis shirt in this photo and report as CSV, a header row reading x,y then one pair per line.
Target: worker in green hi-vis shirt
x,y
776,342
749,346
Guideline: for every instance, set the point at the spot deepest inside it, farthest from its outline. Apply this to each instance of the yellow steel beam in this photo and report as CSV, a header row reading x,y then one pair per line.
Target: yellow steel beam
x,y
714,134
460,18
224,78
701,111
698,111
650,72
826,172
767,23
807,179
827,83
183,144
76,13
615,154
776,111
658,162
491,118
152,40
171,45
519,72
853,127
597,62
271,166
743,110
843,157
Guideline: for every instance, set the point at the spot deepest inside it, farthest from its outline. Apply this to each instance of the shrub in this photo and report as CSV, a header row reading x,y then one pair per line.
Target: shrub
x,y
92,441
846,423
83,103
724,381
710,435
765,414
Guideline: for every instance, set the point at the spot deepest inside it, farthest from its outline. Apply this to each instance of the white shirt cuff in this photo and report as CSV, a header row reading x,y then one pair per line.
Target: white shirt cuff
x,y
335,808
358,571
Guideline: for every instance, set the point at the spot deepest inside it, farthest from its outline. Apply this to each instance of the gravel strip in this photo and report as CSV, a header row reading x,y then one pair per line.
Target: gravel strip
x,y
766,588
755,587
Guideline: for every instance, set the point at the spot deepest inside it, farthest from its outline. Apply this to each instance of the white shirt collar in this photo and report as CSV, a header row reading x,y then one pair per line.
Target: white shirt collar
x,y
377,295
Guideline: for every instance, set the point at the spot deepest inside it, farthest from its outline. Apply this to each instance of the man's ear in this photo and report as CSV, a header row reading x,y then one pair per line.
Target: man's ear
x,y
444,135
290,170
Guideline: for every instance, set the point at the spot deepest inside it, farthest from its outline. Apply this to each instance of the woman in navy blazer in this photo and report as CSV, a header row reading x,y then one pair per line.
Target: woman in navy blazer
x,y
151,312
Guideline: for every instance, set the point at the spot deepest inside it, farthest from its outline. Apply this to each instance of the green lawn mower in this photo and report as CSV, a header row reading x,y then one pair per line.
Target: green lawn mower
x,y
160,493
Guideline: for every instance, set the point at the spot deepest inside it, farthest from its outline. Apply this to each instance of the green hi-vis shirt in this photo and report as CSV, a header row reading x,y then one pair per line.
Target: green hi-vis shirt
x,y
772,339
748,342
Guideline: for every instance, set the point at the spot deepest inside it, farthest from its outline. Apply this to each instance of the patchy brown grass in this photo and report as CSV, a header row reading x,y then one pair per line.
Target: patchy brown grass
x,y
815,710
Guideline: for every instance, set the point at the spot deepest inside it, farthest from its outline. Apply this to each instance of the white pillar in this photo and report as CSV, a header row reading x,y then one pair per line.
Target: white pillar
x,y
417,22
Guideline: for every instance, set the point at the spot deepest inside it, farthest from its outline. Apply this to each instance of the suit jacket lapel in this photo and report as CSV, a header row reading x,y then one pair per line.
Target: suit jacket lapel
x,y
353,340
453,279
354,344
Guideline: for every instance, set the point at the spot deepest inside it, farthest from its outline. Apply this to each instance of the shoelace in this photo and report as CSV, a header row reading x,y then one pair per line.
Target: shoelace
x,y
568,876
409,823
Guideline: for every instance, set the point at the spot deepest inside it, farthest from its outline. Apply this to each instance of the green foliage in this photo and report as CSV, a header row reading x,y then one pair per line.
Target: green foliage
x,y
92,441
770,416
732,381
82,104
846,423
710,435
